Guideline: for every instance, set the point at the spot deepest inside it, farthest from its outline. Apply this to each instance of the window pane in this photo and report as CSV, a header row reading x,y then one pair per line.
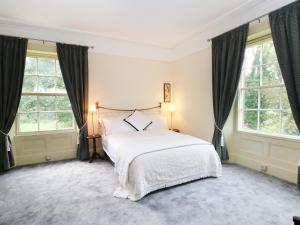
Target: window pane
x,y
251,99
271,75
250,119
29,84
284,98
47,103
262,89
46,66
268,53
31,66
64,120
47,84
44,111
28,103
288,124
58,71
252,77
28,122
63,103
270,98
270,121
60,88
47,121
252,56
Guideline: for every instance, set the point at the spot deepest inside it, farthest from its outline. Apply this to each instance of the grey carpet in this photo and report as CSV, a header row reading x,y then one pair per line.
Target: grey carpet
x,y
76,193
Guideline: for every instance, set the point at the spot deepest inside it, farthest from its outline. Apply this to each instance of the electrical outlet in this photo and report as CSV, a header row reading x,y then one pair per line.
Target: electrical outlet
x,y
47,158
264,168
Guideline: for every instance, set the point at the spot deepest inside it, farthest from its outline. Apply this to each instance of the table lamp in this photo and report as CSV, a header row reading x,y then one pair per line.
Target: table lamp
x,y
92,109
171,109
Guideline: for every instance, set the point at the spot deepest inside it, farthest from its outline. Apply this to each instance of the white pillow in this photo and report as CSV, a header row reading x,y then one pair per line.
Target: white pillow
x,y
159,122
138,121
113,125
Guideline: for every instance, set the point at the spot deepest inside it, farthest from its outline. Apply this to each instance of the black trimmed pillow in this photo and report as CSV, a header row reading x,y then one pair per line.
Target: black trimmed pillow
x,y
138,121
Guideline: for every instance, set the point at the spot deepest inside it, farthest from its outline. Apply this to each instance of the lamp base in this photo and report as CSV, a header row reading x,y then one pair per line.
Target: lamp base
x,y
93,124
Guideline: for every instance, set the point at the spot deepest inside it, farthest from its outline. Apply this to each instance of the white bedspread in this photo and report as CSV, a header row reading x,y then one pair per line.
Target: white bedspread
x,y
151,160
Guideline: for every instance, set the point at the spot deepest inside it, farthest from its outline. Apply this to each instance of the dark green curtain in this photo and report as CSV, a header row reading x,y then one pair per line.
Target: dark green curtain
x,y
73,62
227,59
285,27
12,65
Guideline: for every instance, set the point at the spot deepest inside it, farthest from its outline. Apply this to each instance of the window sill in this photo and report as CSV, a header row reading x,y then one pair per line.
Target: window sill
x,y
61,132
271,136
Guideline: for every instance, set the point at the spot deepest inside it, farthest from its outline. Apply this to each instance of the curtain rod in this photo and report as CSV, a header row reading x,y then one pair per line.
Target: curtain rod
x,y
43,40
250,21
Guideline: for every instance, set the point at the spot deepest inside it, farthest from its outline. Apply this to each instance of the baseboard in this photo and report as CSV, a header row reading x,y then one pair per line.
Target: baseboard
x,y
273,170
41,157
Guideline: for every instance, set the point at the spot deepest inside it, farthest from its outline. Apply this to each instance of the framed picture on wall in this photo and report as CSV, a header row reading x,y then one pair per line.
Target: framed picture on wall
x,y
167,92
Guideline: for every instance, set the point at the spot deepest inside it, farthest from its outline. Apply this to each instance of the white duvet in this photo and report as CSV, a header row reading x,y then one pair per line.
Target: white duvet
x,y
150,160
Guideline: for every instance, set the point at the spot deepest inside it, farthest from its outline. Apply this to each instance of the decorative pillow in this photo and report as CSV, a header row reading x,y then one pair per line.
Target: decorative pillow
x,y
159,122
138,121
113,125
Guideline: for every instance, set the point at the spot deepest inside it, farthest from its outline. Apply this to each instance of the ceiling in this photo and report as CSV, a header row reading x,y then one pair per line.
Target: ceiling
x,y
164,30
163,23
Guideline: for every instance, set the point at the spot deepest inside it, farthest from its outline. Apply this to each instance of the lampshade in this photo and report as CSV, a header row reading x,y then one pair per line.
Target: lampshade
x,y
171,108
92,108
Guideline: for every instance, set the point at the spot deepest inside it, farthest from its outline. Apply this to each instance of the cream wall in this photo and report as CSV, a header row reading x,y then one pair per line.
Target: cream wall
x,y
193,98
192,78
126,82
193,94
114,81
43,147
273,155
118,81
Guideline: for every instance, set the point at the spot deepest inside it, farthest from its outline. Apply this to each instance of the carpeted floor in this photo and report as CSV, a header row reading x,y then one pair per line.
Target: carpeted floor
x,y
78,193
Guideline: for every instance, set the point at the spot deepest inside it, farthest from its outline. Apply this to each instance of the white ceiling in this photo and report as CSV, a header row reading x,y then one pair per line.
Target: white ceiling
x,y
155,29
164,23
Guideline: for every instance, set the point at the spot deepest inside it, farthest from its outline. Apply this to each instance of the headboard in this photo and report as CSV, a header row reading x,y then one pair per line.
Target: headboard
x,y
98,107
107,111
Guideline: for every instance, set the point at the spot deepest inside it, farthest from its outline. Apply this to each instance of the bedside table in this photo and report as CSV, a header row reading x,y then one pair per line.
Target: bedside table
x,y
176,130
95,154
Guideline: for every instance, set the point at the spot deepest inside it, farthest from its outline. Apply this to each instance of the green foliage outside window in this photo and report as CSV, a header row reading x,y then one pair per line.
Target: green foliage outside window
x,y
44,104
265,106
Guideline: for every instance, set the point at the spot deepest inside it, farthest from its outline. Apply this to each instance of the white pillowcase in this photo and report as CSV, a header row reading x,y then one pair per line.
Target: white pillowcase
x,y
159,122
138,121
113,125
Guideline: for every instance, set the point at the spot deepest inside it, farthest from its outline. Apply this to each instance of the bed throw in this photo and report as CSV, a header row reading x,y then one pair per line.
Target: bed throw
x,y
145,145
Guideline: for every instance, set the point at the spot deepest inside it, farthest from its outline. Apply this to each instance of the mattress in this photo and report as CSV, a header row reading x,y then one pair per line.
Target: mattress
x,y
110,146
150,160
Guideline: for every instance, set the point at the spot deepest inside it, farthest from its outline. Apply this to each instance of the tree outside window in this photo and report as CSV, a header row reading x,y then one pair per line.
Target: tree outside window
x,y
263,101
44,104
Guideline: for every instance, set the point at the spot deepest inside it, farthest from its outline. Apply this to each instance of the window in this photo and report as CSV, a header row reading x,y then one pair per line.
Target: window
x,y
44,104
263,101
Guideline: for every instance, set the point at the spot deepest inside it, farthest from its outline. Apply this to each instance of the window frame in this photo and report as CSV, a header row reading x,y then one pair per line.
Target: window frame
x,y
240,101
43,54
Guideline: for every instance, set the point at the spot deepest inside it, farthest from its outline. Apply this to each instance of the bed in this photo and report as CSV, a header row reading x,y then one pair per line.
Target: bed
x,y
155,158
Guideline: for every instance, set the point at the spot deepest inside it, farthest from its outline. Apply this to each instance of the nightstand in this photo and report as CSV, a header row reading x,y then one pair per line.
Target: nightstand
x,y
95,154
176,130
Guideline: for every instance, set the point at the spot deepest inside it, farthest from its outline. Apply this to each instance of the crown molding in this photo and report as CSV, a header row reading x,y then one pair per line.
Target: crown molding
x,y
239,15
101,44
236,17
